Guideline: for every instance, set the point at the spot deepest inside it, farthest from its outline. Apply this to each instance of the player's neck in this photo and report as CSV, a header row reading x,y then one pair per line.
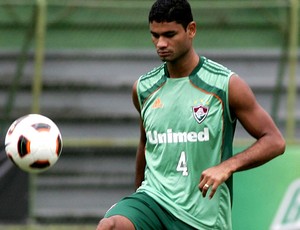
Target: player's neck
x,y
184,66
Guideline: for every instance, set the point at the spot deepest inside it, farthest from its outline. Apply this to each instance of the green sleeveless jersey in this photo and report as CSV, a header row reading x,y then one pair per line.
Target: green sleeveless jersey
x,y
189,128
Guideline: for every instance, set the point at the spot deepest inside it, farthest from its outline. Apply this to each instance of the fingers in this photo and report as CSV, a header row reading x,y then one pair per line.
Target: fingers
x,y
212,178
206,187
209,185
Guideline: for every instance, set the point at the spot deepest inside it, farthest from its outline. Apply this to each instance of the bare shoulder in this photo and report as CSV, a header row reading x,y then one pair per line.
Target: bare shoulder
x,y
240,94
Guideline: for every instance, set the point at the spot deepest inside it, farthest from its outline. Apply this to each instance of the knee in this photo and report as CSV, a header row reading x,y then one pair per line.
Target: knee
x,y
106,224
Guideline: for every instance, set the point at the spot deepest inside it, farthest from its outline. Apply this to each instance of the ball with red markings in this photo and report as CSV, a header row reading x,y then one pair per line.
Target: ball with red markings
x,y
33,143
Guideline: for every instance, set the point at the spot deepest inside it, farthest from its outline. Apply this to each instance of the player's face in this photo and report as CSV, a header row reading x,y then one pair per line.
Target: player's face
x,y
171,40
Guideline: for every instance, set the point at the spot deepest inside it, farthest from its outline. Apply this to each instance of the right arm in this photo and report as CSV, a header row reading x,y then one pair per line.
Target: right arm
x,y
140,155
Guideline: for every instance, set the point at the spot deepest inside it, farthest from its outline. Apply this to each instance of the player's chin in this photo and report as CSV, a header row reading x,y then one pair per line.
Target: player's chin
x,y
166,59
165,56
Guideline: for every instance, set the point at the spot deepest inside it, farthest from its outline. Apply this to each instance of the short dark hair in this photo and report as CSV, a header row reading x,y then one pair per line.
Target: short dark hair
x,y
171,10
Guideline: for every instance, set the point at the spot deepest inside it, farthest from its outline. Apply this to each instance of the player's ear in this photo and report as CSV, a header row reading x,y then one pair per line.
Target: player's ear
x,y
191,29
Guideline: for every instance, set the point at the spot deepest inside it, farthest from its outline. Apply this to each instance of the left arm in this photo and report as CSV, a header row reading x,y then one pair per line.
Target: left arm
x,y
258,123
140,154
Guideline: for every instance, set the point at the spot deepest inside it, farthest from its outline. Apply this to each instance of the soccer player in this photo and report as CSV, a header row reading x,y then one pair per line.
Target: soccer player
x,y
188,108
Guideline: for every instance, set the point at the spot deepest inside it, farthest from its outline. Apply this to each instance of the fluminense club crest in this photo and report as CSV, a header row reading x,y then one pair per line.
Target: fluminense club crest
x,y
200,112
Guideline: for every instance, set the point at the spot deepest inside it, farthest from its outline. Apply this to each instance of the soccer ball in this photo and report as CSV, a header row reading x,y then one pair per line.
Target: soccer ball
x,y
33,143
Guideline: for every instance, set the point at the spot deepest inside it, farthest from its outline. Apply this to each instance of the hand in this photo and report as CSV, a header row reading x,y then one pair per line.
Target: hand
x,y
212,178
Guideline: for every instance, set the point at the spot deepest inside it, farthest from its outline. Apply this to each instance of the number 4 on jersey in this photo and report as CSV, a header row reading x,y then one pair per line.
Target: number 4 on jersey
x,y
182,165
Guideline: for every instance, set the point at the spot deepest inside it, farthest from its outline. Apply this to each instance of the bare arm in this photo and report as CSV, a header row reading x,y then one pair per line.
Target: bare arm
x,y
140,154
257,122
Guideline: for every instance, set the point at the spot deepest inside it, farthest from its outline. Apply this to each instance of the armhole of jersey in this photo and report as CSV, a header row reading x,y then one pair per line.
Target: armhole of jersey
x,y
232,119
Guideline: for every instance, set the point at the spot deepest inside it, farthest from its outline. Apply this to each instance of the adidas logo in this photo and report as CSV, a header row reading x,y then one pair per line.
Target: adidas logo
x,y
157,104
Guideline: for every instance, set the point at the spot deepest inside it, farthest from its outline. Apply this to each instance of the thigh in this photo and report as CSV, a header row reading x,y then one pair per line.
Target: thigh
x,y
116,222
146,214
137,208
